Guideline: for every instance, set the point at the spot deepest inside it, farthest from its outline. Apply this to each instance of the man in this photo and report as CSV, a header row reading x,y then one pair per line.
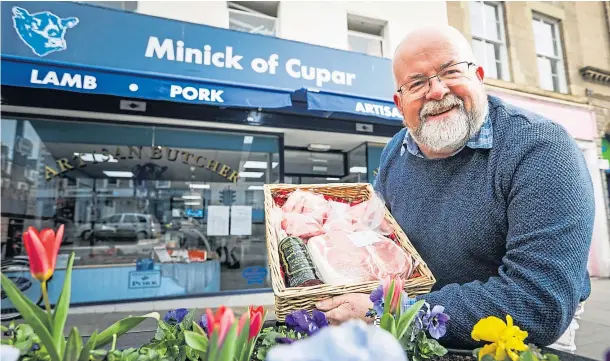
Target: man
x,y
497,201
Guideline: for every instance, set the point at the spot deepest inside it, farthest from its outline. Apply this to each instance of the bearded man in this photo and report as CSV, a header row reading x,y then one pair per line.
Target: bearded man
x,y
498,201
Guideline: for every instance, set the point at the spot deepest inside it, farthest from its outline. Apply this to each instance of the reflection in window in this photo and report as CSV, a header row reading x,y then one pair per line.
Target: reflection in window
x,y
136,192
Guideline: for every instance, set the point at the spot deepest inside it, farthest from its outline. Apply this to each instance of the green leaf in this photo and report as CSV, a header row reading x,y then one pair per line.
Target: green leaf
x,y
388,299
89,345
196,341
41,314
31,316
73,346
551,357
527,356
199,330
388,323
122,326
487,357
227,351
24,346
60,315
187,321
407,318
212,346
241,345
165,330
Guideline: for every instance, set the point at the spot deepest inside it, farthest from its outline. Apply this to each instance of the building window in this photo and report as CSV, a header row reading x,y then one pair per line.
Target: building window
x,y
256,17
365,35
120,5
549,54
489,38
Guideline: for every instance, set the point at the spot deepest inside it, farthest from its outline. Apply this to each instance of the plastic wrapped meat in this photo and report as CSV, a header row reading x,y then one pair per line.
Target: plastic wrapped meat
x,y
337,259
371,215
303,226
339,218
304,202
349,257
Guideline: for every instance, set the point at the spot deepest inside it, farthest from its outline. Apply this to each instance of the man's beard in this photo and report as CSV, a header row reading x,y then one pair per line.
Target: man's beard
x,y
454,131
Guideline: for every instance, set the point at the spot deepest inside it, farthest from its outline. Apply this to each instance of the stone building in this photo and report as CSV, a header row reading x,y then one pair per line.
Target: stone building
x,y
554,58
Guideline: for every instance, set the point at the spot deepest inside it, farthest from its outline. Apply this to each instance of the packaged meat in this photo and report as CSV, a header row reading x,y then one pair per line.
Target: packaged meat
x,y
369,214
349,257
303,226
299,268
304,202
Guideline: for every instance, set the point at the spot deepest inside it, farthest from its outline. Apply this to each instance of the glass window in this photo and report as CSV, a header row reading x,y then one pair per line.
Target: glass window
x,y
489,38
314,164
257,17
550,58
121,5
138,192
365,35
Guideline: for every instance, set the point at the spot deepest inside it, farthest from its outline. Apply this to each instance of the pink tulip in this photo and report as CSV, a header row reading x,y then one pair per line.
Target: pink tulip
x,y
399,285
220,322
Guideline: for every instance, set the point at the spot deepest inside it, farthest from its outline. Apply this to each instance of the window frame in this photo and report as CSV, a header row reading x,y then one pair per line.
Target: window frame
x,y
559,59
245,10
502,43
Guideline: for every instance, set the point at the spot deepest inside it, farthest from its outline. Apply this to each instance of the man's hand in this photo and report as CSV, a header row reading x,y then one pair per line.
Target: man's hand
x,y
345,307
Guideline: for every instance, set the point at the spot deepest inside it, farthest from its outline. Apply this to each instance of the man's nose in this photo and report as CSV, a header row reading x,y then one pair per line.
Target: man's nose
x,y
437,89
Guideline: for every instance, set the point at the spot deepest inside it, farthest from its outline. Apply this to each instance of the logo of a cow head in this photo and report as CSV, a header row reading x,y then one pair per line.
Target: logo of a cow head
x,y
43,32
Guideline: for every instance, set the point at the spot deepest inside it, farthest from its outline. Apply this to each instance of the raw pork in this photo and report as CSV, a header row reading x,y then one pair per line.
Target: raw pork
x,y
350,257
303,202
303,226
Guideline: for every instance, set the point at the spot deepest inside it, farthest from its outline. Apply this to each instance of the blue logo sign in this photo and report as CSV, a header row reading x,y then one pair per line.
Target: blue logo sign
x,y
145,264
43,32
255,274
144,279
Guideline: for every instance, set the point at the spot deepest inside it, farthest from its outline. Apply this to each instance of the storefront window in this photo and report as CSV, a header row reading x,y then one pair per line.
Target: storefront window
x,y
305,167
191,201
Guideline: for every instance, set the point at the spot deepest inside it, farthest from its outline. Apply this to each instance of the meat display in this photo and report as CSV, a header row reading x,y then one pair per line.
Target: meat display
x,y
348,242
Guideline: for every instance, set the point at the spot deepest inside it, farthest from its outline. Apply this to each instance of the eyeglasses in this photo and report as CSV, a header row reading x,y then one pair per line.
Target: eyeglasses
x,y
452,75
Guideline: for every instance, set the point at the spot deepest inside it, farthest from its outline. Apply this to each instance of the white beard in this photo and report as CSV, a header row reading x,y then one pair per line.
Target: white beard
x,y
453,132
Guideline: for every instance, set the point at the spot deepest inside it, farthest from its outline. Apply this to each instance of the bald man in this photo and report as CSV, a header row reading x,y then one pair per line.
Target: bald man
x,y
498,201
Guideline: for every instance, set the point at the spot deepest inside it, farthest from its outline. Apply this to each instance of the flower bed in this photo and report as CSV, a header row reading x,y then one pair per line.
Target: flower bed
x,y
406,331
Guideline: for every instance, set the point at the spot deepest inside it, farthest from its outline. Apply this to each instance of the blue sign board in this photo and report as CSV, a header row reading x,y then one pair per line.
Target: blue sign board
x,y
83,48
144,279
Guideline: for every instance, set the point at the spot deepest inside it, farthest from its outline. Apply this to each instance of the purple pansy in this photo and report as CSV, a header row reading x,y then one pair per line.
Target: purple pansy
x,y
377,298
176,315
436,321
304,322
284,340
203,323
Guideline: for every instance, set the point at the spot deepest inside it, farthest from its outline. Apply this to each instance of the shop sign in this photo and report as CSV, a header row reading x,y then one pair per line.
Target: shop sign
x,y
144,279
179,50
143,153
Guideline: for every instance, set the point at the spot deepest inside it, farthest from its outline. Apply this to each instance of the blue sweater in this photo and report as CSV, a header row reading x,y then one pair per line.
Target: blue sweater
x,y
505,230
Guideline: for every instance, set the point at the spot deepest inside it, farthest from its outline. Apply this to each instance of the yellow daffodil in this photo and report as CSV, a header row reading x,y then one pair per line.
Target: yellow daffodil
x,y
505,338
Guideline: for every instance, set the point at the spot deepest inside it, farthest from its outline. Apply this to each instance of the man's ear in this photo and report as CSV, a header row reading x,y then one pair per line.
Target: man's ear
x,y
480,73
397,102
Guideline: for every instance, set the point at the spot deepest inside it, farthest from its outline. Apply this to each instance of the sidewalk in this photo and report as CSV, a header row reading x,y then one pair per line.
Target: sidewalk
x,y
593,336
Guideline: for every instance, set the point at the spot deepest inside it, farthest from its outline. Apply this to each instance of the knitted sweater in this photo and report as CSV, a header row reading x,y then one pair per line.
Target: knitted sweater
x,y
505,230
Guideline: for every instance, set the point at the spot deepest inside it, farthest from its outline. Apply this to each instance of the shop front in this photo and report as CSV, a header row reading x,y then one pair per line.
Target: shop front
x,y
150,141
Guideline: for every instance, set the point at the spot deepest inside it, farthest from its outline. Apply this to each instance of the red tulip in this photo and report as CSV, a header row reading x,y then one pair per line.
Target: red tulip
x,y
42,249
399,285
220,322
256,321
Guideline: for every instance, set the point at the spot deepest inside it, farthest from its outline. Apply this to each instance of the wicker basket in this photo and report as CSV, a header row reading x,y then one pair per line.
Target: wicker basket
x,y
288,299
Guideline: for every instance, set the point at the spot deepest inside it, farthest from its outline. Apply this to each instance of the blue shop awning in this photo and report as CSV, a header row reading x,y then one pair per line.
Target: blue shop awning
x,y
344,103
91,80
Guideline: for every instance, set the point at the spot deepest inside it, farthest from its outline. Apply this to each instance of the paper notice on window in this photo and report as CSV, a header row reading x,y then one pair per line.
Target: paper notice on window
x,y
241,220
218,220
364,238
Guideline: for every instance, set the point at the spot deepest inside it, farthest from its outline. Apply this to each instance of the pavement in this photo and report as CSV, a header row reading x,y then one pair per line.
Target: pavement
x,y
593,335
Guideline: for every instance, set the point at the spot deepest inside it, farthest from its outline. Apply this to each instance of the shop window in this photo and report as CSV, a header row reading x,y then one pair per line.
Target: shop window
x,y
551,71
191,200
256,17
120,5
365,35
489,38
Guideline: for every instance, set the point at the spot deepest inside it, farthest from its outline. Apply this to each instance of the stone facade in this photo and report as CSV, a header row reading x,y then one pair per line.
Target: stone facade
x,y
585,39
